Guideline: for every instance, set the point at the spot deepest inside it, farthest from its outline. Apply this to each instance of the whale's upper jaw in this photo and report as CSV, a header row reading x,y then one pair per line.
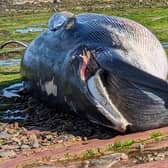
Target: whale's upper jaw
x,y
90,74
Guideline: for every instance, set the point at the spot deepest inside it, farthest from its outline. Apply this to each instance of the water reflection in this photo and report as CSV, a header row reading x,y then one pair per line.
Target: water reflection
x,y
30,29
12,112
12,90
165,44
10,62
13,115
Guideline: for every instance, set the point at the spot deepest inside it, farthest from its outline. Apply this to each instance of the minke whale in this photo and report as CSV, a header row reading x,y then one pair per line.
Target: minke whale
x,y
108,69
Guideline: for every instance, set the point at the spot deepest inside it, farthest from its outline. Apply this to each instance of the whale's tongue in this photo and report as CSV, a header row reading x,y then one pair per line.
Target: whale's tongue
x,y
104,103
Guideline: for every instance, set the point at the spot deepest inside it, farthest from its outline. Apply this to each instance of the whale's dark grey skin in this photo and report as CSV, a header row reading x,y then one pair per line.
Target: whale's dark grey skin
x,y
109,69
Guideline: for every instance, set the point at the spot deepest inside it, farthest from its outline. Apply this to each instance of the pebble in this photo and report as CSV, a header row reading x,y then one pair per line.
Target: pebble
x,y
25,146
124,157
9,147
4,135
141,147
49,137
17,140
8,154
155,154
108,160
34,141
150,159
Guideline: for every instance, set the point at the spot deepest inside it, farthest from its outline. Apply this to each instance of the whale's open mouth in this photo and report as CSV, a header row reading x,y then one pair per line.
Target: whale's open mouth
x,y
98,88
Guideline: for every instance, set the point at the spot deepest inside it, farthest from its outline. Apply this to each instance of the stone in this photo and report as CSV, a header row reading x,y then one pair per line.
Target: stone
x,y
4,135
8,154
34,141
108,160
25,146
9,147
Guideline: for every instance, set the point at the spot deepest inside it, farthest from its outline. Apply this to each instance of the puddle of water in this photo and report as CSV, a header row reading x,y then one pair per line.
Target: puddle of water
x,y
12,90
10,62
30,29
13,115
9,113
165,44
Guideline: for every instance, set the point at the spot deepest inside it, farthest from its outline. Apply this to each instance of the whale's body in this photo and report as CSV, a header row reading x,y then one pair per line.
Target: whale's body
x,y
109,69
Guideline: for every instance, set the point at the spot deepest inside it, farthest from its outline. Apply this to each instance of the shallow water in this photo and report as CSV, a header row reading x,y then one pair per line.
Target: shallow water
x,y
30,29
165,44
8,113
10,62
12,90
13,115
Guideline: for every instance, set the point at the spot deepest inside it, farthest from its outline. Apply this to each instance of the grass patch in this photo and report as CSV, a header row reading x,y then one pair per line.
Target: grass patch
x,y
121,145
166,51
153,18
117,144
109,147
2,141
9,24
10,50
157,134
9,75
89,154
127,142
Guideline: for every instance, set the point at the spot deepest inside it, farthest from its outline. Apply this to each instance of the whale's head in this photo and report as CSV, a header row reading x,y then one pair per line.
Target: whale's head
x,y
64,61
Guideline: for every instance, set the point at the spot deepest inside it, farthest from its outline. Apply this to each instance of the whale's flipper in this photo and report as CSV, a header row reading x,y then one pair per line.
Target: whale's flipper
x,y
141,97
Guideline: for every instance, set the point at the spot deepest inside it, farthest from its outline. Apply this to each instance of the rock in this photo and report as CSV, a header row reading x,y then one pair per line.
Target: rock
x,y
124,157
25,146
9,147
108,160
17,140
34,141
49,137
141,147
4,135
7,154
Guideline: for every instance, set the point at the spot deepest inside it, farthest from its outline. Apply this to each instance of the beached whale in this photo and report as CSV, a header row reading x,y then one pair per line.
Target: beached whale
x,y
109,69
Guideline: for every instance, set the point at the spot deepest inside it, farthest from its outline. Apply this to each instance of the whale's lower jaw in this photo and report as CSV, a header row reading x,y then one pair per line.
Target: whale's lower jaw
x,y
105,105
